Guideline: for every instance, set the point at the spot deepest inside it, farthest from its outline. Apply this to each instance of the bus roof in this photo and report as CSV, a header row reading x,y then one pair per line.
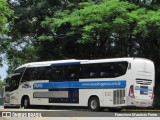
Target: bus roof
x,y
48,63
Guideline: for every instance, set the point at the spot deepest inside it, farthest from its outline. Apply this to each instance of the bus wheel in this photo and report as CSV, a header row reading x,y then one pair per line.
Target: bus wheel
x,y
26,103
94,104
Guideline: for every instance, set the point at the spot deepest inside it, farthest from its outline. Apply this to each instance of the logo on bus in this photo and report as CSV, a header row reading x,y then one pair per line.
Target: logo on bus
x,y
38,85
26,85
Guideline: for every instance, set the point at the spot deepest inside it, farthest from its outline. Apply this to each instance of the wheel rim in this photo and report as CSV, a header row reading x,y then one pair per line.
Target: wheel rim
x,y
25,102
94,104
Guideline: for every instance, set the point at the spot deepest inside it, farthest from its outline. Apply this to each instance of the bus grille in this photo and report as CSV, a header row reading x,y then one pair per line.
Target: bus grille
x,y
143,81
118,96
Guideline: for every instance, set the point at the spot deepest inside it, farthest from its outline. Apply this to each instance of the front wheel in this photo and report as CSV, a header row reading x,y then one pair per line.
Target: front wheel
x,y
26,103
94,104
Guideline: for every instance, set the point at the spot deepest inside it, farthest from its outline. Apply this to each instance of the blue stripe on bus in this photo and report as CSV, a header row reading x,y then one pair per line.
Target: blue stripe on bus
x,y
66,63
92,84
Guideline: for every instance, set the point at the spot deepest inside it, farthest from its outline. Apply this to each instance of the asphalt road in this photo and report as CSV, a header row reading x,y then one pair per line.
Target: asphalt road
x,y
77,114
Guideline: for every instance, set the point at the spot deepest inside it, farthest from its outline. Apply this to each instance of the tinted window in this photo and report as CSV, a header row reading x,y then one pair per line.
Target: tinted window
x,y
104,70
58,73
44,73
113,69
65,73
30,74
20,70
37,73
13,82
72,72
89,71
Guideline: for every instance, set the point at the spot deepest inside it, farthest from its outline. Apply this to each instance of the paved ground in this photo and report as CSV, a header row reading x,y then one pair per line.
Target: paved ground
x,y
77,114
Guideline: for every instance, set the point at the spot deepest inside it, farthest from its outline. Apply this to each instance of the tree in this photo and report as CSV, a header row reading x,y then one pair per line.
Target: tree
x,y
1,84
25,29
97,28
5,13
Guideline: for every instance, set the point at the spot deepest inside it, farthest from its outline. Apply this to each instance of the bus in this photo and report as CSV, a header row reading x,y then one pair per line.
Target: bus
x,y
97,84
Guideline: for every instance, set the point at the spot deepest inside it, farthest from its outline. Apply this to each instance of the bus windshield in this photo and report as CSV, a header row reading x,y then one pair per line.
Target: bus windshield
x,y
12,82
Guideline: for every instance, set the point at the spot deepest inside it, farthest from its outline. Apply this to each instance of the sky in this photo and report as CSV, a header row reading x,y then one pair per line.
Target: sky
x,y
3,70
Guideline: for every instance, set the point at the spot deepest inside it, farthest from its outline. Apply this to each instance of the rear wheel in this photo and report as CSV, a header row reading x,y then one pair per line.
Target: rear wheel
x,y
94,104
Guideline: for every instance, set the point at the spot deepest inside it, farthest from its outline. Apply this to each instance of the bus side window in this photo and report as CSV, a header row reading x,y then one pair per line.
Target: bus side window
x,y
120,68
26,76
20,70
30,74
106,70
47,73
37,73
58,73
112,70
44,73
89,71
34,74
72,72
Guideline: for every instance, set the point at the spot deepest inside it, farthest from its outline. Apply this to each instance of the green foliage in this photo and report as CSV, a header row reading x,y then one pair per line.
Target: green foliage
x,y
108,28
20,57
1,84
22,45
94,24
103,26
5,12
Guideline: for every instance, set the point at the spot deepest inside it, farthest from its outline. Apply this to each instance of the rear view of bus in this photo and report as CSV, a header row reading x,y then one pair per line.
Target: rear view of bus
x,y
141,83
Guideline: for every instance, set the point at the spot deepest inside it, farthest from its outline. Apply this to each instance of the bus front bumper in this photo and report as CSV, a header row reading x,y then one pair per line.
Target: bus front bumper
x,y
7,105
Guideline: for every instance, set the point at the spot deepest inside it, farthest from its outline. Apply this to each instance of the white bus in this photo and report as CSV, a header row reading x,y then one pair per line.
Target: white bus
x,y
103,83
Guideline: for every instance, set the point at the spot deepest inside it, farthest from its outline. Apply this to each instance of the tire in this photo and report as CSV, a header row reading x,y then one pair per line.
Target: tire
x,y
26,103
93,104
